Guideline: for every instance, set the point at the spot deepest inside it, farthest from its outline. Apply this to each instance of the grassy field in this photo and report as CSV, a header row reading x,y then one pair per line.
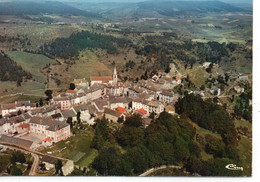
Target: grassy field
x,y
76,148
31,63
35,89
19,98
88,65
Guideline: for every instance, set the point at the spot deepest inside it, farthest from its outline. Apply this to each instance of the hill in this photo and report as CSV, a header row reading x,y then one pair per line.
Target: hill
x,y
19,8
32,63
172,8
151,8
10,71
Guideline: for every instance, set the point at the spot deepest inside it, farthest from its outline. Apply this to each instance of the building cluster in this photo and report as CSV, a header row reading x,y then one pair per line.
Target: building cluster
x,y
102,97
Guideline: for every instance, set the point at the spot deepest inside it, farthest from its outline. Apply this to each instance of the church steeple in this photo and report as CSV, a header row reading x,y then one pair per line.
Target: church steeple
x,y
115,76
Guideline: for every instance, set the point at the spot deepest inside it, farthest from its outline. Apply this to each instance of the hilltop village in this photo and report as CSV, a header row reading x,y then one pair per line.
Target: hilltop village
x,y
102,97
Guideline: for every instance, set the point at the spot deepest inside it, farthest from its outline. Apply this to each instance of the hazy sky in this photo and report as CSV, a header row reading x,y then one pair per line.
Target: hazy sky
x,y
228,1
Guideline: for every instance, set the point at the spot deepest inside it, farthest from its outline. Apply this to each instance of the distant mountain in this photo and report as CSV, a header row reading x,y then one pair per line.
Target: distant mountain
x,y
36,8
177,7
151,8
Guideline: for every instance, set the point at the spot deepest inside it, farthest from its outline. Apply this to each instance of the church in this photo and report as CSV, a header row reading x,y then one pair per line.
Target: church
x,y
105,79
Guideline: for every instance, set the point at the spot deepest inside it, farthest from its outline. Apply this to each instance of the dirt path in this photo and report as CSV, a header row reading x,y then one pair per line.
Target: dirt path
x,y
150,171
34,165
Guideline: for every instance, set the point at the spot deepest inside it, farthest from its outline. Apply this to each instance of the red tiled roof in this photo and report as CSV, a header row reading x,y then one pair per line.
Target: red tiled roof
x,y
101,78
121,109
71,91
47,140
142,111
25,125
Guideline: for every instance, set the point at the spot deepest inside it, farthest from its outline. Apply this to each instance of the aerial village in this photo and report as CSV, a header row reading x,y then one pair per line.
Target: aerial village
x,y
28,126
103,97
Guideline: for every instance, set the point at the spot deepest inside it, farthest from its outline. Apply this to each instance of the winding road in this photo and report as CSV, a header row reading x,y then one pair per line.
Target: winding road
x,y
34,165
150,171
35,155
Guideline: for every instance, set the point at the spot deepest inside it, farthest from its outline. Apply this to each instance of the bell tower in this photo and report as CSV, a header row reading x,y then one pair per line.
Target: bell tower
x,y
115,76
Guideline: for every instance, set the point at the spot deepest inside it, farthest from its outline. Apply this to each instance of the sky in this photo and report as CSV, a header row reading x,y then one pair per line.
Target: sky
x,y
228,1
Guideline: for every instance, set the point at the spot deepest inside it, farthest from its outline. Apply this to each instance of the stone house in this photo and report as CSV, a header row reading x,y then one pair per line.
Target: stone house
x,y
53,129
112,115
166,96
150,106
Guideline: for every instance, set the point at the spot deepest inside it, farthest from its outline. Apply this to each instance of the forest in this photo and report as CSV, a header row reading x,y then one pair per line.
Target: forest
x,y
169,140
68,48
163,52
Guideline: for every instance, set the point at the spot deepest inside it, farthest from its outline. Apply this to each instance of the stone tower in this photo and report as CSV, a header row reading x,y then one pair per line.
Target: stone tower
x,y
115,76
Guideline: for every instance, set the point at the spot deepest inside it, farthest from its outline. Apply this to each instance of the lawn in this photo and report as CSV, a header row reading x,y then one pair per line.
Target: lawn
x,y
31,63
87,159
76,148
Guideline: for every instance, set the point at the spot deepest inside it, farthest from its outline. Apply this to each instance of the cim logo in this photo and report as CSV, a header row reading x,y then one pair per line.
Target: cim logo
x,y
234,167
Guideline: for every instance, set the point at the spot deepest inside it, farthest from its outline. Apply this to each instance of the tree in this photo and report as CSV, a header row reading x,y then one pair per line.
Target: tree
x,y
139,157
102,134
41,102
168,69
193,165
109,162
120,119
209,69
226,77
69,121
152,115
214,146
130,136
42,166
18,157
134,120
19,83
48,93
78,117
15,171
191,65
72,86
58,167
195,149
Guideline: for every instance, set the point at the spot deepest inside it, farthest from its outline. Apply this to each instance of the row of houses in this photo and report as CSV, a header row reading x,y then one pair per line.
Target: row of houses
x,y
7,109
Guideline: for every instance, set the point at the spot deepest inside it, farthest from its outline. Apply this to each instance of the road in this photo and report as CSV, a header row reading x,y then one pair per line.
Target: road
x,y
35,155
34,165
150,171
